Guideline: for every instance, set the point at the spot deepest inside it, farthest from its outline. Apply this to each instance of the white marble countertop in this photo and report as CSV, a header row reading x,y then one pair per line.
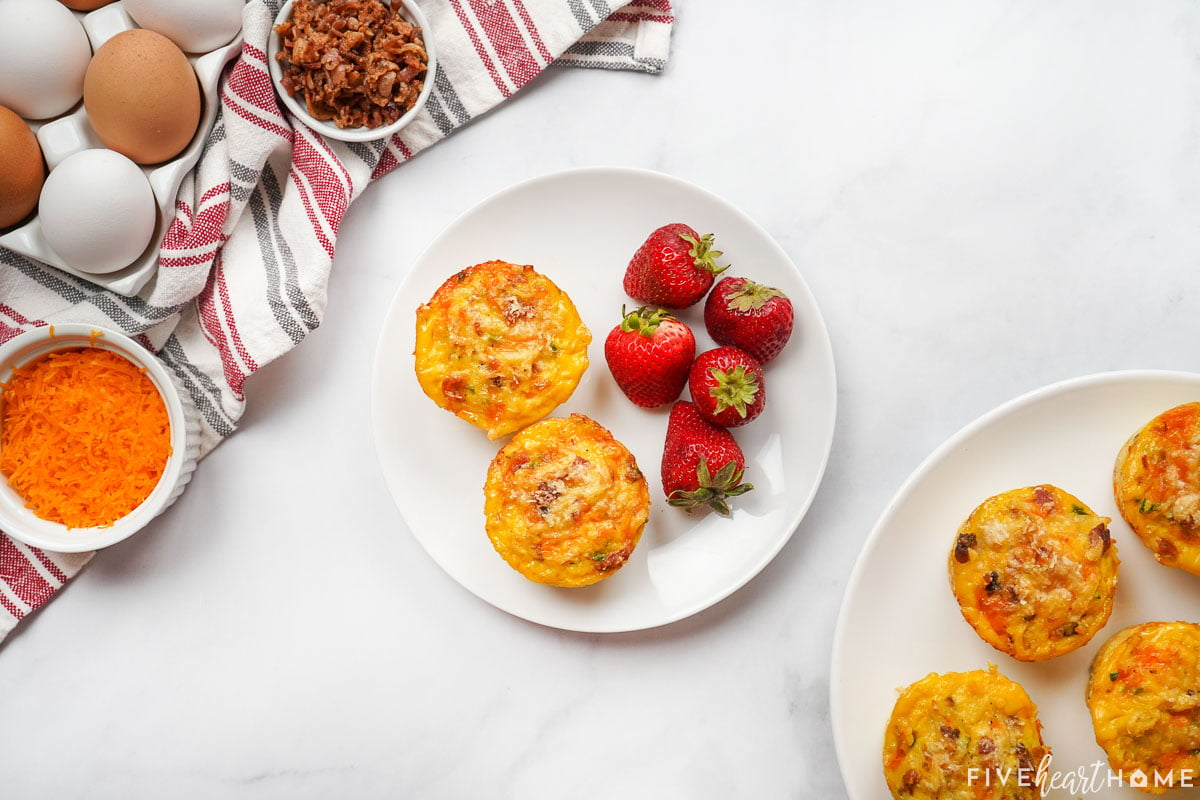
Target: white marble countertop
x,y
984,197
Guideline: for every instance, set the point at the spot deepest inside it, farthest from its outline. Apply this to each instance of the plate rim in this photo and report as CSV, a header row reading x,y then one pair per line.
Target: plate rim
x,y
826,354
905,489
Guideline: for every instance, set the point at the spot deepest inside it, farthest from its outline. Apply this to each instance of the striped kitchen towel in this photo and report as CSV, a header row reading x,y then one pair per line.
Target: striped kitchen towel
x,y
244,265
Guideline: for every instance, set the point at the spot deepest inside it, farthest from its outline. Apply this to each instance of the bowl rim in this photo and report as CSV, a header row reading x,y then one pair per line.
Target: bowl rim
x,y
361,134
37,343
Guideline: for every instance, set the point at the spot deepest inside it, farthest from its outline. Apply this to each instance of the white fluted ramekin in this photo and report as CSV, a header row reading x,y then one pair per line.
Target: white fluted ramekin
x,y
25,526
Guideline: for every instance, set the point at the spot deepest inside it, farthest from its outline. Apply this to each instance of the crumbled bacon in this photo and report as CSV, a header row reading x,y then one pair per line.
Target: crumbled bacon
x,y
455,387
614,560
545,494
1043,497
1099,540
357,63
517,309
1166,550
962,547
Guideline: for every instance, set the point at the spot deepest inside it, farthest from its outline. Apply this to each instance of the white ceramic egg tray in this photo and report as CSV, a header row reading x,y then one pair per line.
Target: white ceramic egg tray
x,y
70,133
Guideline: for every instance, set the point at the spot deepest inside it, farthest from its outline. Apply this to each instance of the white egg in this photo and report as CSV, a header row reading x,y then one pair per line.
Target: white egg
x,y
197,26
44,52
97,211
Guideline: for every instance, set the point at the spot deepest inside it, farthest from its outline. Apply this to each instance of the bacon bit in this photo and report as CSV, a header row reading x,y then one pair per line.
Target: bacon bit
x,y
962,547
455,387
1099,539
516,309
993,583
545,494
1166,550
85,437
614,559
1045,502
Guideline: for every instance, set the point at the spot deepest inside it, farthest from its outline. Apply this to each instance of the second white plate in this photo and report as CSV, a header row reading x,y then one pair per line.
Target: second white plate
x,y
579,228
899,619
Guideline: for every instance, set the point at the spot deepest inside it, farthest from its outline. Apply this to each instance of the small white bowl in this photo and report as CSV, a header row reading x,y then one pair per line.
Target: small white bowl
x,y
21,523
296,105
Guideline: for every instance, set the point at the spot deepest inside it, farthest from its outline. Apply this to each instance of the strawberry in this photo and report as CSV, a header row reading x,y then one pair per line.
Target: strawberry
x,y
702,464
649,354
673,268
745,314
727,386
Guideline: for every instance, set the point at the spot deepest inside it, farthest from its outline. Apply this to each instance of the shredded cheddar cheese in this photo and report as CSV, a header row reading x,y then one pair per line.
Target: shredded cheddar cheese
x,y
84,436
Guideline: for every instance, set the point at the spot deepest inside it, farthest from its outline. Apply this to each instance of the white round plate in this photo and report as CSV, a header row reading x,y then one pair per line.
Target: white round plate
x,y
579,228
899,620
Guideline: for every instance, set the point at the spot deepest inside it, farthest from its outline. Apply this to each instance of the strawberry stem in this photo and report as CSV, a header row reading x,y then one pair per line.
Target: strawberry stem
x,y
735,388
712,490
702,253
750,296
644,320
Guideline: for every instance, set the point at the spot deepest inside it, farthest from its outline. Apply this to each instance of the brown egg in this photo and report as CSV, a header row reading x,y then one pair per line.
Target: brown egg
x,y
23,172
84,5
142,96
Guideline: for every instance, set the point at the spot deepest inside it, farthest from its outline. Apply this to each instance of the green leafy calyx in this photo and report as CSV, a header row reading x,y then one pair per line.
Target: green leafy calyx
x,y
703,254
644,320
712,490
735,388
750,296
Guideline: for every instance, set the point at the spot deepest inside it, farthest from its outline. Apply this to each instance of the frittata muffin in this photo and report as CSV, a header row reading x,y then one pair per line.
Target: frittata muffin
x,y
1144,696
565,502
1034,571
500,345
963,736
1157,486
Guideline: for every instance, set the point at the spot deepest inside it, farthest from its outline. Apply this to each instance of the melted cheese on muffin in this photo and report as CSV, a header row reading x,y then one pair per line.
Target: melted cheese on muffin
x,y
1034,571
565,502
963,736
1144,696
500,345
1157,486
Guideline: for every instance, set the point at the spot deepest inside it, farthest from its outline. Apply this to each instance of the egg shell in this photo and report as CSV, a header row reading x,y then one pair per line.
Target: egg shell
x,y
44,54
85,5
142,96
23,173
193,25
97,211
